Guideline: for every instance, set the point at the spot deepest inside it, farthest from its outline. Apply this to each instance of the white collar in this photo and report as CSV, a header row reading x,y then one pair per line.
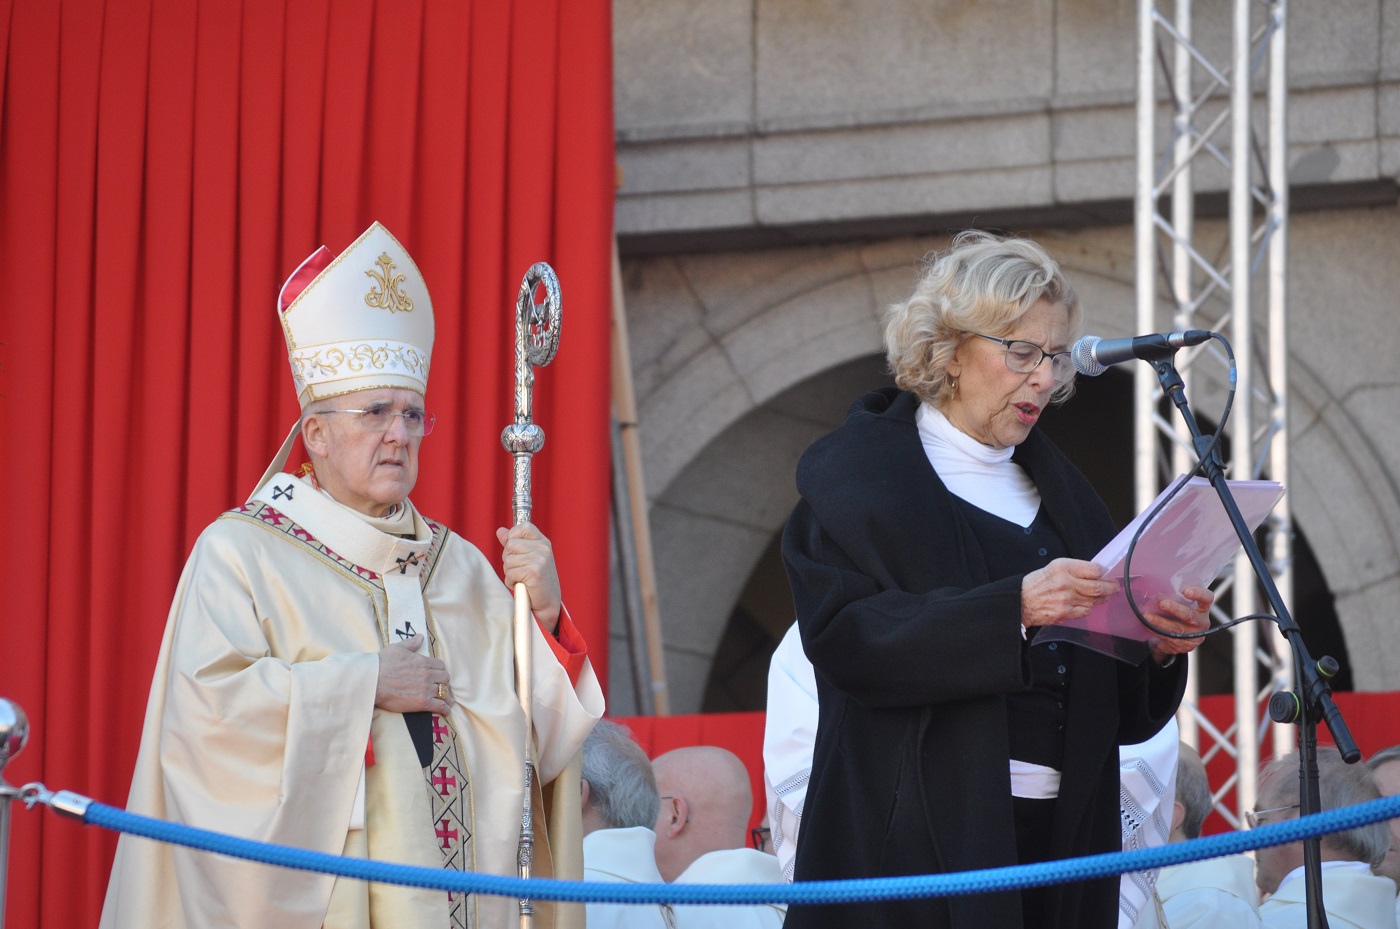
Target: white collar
x,y
983,476
1358,866
936,427
345,529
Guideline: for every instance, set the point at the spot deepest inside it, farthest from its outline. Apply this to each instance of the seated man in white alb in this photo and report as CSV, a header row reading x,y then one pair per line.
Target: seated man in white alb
x,y
619,801
1385,771
706,801
1353,896
1217,893
1146,784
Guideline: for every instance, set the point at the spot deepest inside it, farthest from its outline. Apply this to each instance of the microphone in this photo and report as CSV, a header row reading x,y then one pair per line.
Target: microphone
x,y
1093,356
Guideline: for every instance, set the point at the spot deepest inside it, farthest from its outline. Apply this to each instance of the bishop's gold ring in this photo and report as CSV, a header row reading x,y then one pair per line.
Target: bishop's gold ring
x,y
442,691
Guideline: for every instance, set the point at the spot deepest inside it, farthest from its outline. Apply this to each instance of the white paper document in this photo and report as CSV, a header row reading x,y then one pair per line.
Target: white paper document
x,y
1188,544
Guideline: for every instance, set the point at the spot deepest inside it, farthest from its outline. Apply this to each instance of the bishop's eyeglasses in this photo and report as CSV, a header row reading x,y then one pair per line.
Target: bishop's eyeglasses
x,y
379,417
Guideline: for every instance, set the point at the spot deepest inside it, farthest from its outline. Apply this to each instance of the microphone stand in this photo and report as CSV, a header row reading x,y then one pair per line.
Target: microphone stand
x,y
1313,698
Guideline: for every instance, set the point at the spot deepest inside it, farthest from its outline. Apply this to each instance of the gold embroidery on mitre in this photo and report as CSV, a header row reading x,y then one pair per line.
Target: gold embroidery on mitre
x,y
326,362
386,293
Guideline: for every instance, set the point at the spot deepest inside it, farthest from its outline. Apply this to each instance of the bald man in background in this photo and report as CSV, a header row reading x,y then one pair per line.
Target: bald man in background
x,y
701,834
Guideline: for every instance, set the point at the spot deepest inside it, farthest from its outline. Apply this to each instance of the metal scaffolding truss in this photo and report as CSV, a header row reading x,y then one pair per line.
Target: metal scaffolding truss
x,y
1226,132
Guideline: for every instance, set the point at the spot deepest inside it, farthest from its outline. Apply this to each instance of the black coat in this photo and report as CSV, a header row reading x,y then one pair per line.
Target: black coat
x,y
916,649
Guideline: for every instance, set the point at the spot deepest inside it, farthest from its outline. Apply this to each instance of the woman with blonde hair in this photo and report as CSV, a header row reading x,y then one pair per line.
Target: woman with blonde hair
x,y
937,533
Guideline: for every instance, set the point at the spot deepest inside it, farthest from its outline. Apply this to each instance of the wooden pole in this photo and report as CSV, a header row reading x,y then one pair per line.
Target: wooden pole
x,y
625,404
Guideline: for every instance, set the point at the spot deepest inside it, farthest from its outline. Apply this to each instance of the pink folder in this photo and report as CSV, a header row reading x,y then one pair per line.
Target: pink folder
x,y
1187,544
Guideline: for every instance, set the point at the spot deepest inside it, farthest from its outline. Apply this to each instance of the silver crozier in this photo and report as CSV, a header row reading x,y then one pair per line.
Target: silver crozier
x,y
536,341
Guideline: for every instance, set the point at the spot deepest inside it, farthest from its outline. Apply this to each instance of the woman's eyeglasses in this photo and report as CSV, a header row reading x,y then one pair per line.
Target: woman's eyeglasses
x,y
1024,357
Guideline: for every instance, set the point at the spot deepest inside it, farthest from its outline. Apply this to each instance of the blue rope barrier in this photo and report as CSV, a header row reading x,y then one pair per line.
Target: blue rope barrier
x,y
860,890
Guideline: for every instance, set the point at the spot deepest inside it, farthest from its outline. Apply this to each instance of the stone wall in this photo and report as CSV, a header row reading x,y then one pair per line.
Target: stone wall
x,y
763,118
786,164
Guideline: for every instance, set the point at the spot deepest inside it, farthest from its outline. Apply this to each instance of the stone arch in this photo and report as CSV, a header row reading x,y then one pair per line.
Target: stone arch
x,y
717,518
1349,501
715,337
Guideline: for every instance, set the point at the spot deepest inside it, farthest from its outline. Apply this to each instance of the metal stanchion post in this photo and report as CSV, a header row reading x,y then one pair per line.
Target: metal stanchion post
x,y
14,732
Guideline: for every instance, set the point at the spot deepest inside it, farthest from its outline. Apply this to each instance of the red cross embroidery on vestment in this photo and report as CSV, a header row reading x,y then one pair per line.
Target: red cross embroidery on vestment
x,y
444,782
439,729
448,836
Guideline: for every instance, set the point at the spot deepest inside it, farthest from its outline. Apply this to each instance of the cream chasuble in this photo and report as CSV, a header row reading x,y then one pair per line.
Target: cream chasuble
x,y
262,707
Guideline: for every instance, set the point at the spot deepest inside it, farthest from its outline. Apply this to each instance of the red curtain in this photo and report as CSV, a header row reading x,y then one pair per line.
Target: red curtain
x,y
164,164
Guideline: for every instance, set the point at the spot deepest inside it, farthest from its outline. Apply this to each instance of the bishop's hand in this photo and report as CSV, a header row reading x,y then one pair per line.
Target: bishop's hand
x,y
528,558
411,682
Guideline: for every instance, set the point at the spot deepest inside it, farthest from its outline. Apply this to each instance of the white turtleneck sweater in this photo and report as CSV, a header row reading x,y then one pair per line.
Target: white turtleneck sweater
x,y
983,476
988,479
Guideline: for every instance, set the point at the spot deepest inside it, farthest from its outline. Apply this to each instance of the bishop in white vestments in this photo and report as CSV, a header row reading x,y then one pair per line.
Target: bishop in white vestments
x,y
337,669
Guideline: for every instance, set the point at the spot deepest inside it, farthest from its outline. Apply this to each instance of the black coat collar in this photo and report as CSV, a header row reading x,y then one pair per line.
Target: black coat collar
x,y
872,476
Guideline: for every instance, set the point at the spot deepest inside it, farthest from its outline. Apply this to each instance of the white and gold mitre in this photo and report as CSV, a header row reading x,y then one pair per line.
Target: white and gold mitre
x,y
359,321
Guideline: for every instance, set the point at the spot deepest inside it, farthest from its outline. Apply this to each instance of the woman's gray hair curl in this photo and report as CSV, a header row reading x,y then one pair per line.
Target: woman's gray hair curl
x,y
982,283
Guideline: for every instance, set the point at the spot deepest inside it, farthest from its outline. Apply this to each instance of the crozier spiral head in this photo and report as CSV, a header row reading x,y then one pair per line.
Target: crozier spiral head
x,y
14,730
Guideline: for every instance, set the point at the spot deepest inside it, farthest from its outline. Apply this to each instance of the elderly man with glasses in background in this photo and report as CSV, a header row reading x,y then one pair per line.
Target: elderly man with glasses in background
x,y
337,670
1385,771
1354,896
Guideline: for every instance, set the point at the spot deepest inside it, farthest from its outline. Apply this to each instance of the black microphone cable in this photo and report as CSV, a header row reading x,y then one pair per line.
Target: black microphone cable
x,y
1198,468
